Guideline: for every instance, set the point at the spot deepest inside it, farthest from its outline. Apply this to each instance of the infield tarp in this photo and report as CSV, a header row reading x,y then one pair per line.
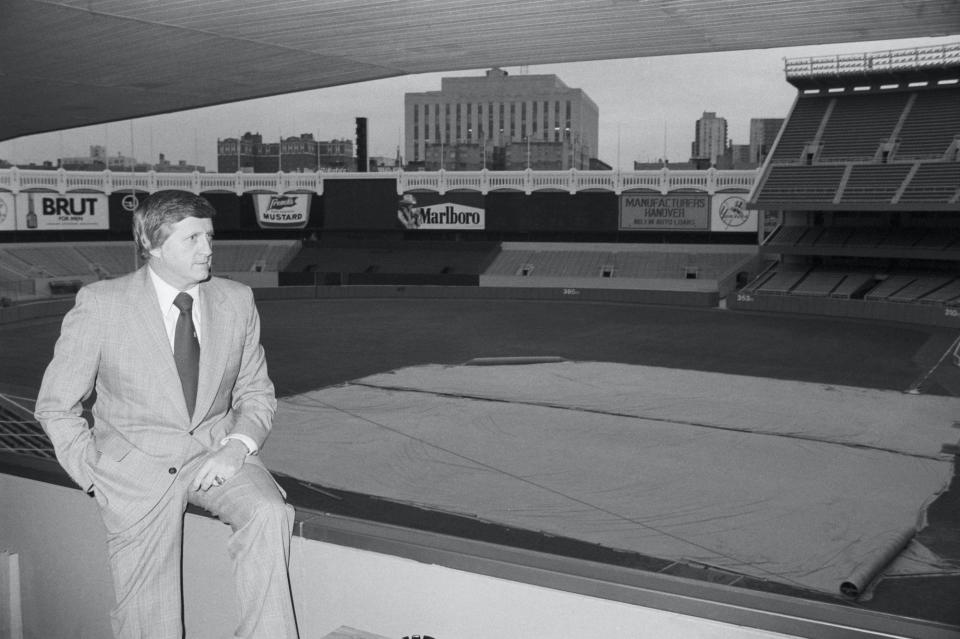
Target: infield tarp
x,y
799,483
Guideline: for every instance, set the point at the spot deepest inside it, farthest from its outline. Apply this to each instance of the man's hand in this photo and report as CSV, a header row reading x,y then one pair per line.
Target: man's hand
x,y
221,465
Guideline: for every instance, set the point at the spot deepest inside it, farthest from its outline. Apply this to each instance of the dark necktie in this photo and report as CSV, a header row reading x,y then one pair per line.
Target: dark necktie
x,y
186,350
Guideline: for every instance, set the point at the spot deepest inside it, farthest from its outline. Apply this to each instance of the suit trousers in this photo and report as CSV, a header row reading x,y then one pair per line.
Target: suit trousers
x,y
146,559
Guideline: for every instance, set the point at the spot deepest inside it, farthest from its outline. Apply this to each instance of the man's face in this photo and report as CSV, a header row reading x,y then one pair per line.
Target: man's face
x,y
184,257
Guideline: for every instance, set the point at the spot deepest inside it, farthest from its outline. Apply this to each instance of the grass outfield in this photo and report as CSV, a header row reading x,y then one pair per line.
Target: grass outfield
x,y
316,343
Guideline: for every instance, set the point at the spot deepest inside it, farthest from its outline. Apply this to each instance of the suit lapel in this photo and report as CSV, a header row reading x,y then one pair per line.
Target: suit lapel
x,y
159,355
214,346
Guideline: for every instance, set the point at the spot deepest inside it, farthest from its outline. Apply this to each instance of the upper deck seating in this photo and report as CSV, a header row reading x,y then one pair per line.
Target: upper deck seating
x,y
931,125
859,124
874,183
801,128
933,182
801,184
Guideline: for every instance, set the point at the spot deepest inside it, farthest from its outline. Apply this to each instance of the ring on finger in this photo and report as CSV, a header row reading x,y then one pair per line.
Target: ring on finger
x,y
218,481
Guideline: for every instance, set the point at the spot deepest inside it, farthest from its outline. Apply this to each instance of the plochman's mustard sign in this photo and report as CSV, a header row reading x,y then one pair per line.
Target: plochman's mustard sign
x,y
671,212
290,210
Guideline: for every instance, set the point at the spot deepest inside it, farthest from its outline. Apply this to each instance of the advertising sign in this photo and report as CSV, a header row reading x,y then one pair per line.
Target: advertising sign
x,y
288,211
55,212
8,220
130,202
671,212
444,215
729,213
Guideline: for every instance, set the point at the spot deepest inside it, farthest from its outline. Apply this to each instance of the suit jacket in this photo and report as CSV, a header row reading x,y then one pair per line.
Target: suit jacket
x,y
114,341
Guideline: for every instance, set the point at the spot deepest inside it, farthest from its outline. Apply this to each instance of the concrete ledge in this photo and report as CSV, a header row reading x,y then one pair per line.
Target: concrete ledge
x,y
442,557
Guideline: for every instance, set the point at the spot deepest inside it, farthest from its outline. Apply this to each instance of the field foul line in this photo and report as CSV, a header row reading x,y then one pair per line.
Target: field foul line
x,y
914,388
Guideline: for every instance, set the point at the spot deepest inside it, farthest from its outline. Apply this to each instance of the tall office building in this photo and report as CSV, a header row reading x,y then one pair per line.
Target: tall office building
x,y
710,140
500,122
763,133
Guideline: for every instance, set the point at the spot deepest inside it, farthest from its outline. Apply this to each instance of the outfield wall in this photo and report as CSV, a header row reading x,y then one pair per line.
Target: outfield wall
x,y
564,293
372,206
877,310
859,309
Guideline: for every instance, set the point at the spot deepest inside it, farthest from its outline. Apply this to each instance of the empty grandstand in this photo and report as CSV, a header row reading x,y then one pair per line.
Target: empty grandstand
x,y
607,231
676,267
39,269
861,194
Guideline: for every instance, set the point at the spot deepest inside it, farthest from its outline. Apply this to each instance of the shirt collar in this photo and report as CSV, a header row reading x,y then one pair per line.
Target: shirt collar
x,y
166,293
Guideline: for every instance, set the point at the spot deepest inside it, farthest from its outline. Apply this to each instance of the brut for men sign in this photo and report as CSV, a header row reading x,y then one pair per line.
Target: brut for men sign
x,y
55,212
288,211
671,212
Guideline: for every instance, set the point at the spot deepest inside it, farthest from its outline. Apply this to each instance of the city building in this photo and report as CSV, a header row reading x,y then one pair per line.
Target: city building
x,y
383,163
737,157
500,122
661,164
763,133
98,160
95,161
164,165
710,140
295,154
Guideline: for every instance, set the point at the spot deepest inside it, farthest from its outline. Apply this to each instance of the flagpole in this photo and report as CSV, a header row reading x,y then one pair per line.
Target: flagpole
x,y
484,138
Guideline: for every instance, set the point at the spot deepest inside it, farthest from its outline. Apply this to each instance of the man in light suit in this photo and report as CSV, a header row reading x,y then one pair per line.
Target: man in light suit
x,y
172,425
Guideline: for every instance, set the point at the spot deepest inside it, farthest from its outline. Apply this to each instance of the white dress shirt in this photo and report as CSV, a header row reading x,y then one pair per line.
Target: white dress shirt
x,y
165,296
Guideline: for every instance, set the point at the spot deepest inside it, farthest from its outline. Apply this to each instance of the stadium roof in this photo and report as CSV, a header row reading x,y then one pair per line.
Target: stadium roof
x,y
71,63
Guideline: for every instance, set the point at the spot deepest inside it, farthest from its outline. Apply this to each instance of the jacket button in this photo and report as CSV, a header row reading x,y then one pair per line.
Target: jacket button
x,y
172,470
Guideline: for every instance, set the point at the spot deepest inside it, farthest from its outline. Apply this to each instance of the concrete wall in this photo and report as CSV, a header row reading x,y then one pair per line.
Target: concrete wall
x,y
67,592
876,310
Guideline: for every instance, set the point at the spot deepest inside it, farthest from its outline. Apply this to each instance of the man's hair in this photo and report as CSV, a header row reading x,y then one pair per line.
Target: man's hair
x,y
155,214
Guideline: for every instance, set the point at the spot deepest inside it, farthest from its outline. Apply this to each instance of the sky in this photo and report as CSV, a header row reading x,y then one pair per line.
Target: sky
x,y
648,108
